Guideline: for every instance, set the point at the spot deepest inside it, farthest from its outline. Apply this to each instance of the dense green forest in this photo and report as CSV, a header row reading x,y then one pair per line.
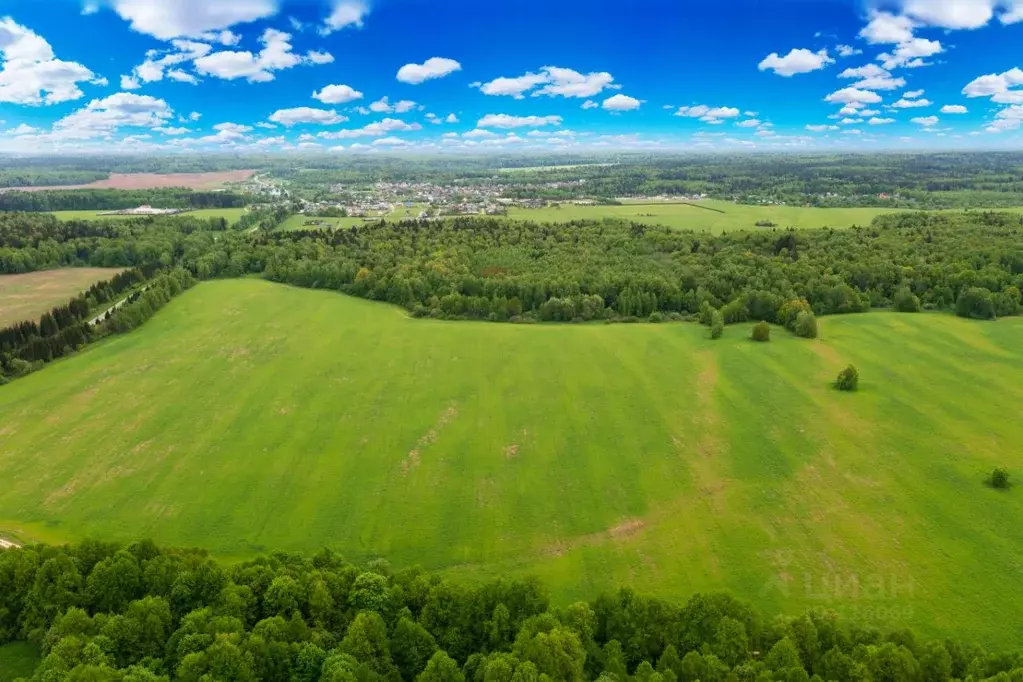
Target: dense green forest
x,y
138,613
116,199
27,166
47,177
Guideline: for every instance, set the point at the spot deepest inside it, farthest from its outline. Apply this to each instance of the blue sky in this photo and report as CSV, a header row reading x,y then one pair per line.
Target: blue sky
x,y
461,76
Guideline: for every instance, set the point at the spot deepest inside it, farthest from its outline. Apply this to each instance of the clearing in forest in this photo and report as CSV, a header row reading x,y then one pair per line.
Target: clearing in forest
x,y
28,296
725,216
248,416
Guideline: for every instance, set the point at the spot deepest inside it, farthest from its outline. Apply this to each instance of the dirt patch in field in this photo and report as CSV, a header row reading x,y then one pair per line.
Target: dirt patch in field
x,y
196,181
428,439
828,354
61,493
511,452
7,544
626,528
621,531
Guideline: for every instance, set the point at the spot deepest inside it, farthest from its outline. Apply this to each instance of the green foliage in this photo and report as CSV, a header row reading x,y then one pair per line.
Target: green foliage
x,y
720,636
706,313
905,301
806,325
441,668
761,331
116,199
999,478
717,325
976,303
848,379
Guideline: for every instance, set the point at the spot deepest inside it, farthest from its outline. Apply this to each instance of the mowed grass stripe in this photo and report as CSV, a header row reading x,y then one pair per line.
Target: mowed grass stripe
x,y
249,416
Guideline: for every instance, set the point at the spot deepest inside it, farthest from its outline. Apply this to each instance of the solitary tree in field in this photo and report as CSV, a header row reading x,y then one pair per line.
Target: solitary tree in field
x,y
717,325
999,478
848,379
761,331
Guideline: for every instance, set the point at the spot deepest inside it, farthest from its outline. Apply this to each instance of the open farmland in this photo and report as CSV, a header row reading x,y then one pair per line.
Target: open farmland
x,y
250,416
196,181
26,297
710,215
232,215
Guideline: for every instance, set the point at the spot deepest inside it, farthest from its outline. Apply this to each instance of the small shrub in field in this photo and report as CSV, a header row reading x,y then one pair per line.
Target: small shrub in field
x,y
806,325
761,331
999,479
848,379
717,325
656,316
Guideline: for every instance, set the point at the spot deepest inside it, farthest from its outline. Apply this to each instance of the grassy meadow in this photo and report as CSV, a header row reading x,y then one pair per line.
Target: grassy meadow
x,y
710,215
705,216
28,296
231,214
248,416
17,660
298,222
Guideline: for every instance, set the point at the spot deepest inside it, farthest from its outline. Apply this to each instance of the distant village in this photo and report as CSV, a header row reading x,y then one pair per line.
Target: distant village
x,y
422,200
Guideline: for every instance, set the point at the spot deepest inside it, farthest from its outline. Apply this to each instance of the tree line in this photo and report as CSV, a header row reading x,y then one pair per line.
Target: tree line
x,y
117,199
600,270
49,177
139,613
27,346
494,269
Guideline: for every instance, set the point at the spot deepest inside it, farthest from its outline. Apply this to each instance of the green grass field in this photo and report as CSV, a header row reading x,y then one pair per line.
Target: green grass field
x,y
249,416
727,216
17,660
28,296
231,214
298,222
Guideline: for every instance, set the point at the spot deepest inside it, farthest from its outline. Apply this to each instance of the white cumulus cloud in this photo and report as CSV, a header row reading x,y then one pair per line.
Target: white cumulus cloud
x,y
166,19
337,94
911,103
954,109
853,96
276,55
300,115
383,106
795,62
103,117
621,103
32,74
344,14
873,77
995,85
434,67
378,129
926,121
911,54
556,81
507,121
707,114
